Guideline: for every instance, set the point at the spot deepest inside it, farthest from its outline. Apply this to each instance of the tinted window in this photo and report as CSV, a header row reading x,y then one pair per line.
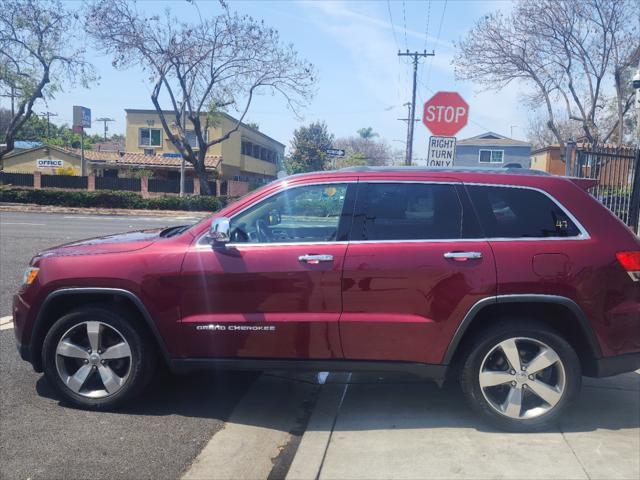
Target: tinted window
x,y
408,211
519,212
303,214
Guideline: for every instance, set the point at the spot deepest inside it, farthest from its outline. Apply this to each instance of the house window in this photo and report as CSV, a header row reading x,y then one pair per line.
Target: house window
x,y
247,148
491,156
191,138
149,151
256,151
149,137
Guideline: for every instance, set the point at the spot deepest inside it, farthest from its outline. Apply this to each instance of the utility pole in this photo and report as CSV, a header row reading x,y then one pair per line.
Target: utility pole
x,y
12,96
105,120
412,113
636,86
48,115
409,131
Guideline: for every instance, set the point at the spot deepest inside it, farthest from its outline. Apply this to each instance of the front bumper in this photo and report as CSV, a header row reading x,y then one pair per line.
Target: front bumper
x,y
609,366
24,351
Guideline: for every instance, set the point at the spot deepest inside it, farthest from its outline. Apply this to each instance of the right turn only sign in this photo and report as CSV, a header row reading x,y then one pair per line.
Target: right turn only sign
x,y
442,151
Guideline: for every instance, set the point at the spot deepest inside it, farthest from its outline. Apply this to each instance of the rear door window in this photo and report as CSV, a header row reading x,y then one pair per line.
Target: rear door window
x,y
407,211
508,212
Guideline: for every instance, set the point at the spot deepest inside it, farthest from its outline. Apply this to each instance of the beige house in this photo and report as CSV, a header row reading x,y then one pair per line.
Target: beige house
x,y
248,155
46,159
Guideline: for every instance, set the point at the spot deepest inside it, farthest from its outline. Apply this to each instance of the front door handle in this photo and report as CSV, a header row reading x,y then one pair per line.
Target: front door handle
x,y
462,256
315,259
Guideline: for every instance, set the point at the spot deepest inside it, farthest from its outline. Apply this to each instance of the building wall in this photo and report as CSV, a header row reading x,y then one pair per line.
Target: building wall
x,y
540,160
468,155
26,161
234,164
548,160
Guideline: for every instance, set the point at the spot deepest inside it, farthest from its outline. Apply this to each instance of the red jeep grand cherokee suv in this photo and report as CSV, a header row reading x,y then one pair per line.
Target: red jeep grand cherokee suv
x,y
523,282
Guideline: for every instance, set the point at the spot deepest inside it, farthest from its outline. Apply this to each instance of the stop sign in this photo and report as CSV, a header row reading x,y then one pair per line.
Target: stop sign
x,y
445,114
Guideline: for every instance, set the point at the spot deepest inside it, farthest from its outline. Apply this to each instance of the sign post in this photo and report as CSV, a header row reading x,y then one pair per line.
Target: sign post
x,y
442,151
81,120
334,153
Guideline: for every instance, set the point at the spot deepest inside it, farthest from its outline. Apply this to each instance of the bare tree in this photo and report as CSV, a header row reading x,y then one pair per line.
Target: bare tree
x,y
570,52
372,152
38,53
539,135
220,62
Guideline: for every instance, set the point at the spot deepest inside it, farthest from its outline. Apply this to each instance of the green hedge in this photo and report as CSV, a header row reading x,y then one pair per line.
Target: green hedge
x,y
111,199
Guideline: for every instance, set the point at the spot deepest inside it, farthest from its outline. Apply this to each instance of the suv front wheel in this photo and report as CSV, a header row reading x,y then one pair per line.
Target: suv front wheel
x,y
520,375
97,357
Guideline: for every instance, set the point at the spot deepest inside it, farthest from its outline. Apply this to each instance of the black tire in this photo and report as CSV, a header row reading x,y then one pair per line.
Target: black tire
x,y
140,365
523,330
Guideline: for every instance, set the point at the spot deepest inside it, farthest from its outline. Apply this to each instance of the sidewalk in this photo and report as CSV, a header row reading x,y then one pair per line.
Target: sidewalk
x,y
372,427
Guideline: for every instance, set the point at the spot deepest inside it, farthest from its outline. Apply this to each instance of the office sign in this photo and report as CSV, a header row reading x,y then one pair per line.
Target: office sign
x,y
442,152
48,163
172,155
81,117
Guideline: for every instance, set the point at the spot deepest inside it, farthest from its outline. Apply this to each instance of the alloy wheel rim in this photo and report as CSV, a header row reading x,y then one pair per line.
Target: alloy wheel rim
x,y
93,359
522,378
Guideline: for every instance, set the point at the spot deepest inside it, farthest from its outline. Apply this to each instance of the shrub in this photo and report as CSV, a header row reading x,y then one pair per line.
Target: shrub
x,y
110,199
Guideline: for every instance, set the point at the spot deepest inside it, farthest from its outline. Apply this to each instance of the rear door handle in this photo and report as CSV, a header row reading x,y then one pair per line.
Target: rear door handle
x,y
462,256
315,259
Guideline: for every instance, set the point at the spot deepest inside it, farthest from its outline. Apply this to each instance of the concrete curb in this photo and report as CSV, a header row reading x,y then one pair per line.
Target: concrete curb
x,y
30,207
255,434
310,455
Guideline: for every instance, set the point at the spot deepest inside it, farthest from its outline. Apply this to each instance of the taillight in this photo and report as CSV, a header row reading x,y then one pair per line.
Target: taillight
x,y
630,261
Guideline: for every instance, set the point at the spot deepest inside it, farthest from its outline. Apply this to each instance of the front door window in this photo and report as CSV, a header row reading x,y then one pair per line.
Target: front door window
x,y
307,214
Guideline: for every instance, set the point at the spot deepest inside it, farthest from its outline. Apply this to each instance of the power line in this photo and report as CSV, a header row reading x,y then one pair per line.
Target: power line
x,y
426,34
404,22
393,27
444,9
412,113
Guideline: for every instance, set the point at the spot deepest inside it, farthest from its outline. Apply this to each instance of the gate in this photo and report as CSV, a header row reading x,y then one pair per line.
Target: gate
x,y
617,170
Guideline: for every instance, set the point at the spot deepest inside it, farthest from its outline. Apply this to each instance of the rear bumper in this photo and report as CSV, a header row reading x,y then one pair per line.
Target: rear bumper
x,y
609,366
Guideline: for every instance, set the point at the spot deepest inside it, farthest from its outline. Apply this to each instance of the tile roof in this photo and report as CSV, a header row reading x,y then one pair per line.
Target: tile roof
x,y
122,158
211,161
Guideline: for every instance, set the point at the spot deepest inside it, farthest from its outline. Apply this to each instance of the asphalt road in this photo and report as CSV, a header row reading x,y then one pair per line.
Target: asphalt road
x,y
41,437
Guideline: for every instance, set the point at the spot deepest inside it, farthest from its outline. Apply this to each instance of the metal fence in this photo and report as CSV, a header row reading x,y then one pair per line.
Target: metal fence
x,y
160,185
617,170
64,181
116,183
17,179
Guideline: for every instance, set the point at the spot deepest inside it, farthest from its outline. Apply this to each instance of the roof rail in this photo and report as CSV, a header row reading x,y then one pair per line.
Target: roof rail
x,y
507,169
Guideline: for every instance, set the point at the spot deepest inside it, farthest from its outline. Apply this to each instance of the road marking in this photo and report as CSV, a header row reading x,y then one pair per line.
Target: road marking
x,y
23,223
129,219
6,323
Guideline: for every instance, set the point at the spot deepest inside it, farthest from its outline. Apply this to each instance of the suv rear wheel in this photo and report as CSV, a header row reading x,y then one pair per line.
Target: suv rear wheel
x,y
97,358
520,376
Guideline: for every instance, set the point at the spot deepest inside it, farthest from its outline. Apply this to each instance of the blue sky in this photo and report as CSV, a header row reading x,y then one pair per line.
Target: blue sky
x,y
354,46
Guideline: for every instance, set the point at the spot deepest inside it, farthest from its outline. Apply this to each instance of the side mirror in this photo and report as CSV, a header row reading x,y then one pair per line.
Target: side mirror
x,y
219,231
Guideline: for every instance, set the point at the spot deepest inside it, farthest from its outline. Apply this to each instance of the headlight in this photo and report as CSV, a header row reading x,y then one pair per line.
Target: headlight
x,y
30,275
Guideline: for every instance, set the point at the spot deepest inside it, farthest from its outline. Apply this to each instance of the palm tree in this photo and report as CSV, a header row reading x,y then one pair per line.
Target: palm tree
x,y
367,133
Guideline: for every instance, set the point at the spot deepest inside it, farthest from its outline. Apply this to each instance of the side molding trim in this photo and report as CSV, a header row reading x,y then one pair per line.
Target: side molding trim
x,y
525,298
